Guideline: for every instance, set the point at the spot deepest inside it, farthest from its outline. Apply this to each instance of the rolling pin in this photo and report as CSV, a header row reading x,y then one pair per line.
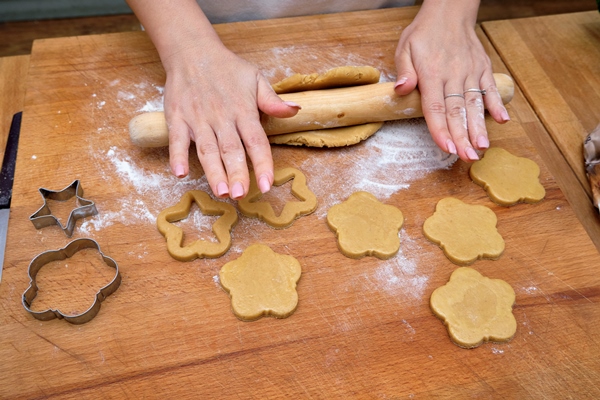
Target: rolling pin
x,y
321,109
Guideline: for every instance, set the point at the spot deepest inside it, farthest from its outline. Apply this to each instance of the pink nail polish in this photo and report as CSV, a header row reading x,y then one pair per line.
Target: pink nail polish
x,y
292,104
263,184
237,191
179,171
472,154
401,82
222,189
451,146
483,142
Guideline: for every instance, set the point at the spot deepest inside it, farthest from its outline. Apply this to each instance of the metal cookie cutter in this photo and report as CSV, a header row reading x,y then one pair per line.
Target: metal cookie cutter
x,y
43,217
57,255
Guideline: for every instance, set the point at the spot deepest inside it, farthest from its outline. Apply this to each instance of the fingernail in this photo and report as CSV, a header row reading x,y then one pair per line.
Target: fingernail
x,y
179,171
263,184
472,154
483,142
451,146
401,81
237,191
292,104
504,115
222,189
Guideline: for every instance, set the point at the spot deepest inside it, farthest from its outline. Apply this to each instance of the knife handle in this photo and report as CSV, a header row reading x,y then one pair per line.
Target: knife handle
x,y
7,174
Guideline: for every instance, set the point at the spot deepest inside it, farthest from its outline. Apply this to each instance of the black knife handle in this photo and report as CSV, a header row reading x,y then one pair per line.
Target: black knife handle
x,y
7,174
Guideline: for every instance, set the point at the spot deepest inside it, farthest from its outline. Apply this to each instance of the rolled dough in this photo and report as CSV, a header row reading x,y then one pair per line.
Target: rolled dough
x,y
335,77
261,282
475,308
464,232
508,179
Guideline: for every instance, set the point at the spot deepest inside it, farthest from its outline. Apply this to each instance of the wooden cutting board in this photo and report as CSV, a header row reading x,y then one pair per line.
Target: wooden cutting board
x,y
363,328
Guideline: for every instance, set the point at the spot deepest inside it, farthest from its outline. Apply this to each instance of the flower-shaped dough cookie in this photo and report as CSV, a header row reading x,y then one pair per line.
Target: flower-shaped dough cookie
x,y
261,282
366,227
508,179
251,206
464,232
475,309
200,248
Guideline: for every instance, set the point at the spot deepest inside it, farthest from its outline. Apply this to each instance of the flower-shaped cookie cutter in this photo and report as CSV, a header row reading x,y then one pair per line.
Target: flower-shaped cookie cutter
x,y
250,205
44,217
200,248
57,255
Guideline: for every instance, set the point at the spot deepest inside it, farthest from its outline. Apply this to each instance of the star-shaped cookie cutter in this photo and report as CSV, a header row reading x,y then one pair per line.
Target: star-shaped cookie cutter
x,y
44,217
61,254
251,206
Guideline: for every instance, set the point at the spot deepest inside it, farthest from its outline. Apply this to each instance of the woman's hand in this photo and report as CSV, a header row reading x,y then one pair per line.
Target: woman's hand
x,y
440,52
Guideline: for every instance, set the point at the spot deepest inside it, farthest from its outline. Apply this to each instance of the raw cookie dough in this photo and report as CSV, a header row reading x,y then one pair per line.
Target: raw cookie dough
x,y
261,282
334,137
335,77
200,248
366,227
475,309
506,178
251,206
464,232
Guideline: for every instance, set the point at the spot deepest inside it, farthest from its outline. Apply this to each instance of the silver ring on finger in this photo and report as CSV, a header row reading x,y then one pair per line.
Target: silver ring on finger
x,y
454,95
482,91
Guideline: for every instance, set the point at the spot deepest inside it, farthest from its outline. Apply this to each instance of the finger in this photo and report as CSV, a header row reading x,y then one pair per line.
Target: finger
x,y
271,104
259,150
406,75
179,144
233,157
209,155
456,116
492,99
434,111
476,116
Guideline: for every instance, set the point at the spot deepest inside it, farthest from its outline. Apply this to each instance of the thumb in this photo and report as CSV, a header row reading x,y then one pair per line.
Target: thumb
x,y
406,74
271,104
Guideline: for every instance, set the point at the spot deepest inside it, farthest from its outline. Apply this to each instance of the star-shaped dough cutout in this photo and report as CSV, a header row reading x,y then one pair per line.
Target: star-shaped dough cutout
x,y
200,248
251,206
261,283
366,227
475,308
508,179
464,232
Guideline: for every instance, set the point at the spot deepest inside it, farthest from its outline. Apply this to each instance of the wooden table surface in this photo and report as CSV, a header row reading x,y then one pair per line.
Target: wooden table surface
x,y
556,62
363,328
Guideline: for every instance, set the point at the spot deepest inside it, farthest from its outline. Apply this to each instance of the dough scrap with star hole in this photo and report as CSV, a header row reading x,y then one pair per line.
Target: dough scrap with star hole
x,y
251,206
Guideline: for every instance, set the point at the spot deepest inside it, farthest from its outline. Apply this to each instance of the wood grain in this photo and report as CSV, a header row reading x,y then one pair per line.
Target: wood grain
x,y
363,328
560,77
13,74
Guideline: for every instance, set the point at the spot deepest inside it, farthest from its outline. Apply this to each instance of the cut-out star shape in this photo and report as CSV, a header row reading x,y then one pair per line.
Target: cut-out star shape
x,y
251,206
200,248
